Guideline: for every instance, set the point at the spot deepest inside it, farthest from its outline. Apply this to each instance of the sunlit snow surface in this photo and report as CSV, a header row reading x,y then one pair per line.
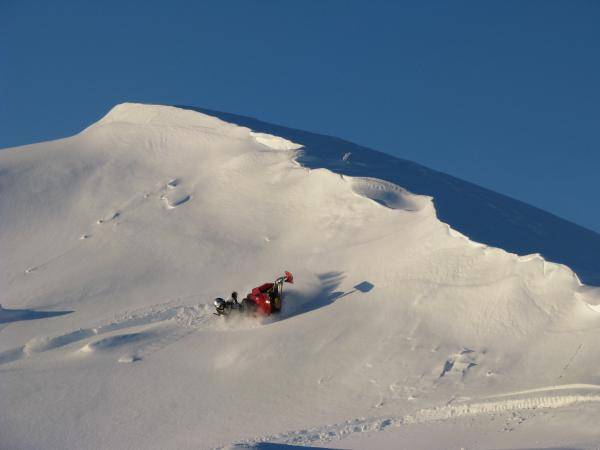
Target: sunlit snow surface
x,y
399,332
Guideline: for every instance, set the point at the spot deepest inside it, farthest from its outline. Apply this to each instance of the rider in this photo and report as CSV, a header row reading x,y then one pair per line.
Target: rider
x,y
225,306
264,299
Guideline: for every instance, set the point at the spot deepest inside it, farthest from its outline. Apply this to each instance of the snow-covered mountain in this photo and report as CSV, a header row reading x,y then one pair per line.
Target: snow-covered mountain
x,y
401,330
483,215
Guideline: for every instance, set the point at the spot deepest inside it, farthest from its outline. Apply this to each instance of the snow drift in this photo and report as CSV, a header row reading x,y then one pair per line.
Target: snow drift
x,y
134,225
483,215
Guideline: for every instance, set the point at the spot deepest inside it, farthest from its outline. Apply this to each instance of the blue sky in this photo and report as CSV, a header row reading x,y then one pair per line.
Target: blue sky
x,y
505,94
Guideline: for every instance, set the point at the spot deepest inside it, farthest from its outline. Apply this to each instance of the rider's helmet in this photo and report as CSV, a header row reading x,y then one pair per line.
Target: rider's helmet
x,y
219,305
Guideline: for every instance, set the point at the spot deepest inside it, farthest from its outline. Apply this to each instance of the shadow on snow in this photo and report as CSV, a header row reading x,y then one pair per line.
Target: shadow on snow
x,y
16,315
481,214
296,303
273,446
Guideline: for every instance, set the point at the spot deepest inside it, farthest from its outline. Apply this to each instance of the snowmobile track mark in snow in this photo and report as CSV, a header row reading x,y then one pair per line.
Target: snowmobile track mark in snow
x,y
339,431
114,342
186,320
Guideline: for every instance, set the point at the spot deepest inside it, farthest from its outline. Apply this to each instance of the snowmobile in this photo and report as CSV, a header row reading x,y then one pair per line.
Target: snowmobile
x,y
262,300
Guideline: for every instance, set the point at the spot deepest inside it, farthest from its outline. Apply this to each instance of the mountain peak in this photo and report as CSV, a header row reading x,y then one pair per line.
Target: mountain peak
x,y
151,114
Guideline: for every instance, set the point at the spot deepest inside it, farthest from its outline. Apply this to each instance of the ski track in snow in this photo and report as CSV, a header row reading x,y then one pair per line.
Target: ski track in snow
x,y
339,431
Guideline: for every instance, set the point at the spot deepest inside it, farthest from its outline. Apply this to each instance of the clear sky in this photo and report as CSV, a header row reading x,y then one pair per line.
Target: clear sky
x,y
505,94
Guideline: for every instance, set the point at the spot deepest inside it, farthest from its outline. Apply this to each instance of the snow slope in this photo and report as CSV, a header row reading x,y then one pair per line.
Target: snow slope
x,y
115,241
483,215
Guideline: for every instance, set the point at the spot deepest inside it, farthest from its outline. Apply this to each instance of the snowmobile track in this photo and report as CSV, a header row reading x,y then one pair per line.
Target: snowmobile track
x,y
339,431
187,318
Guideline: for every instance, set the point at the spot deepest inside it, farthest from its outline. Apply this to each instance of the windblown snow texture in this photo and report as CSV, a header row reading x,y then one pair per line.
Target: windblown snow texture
x,y
482,215
399,330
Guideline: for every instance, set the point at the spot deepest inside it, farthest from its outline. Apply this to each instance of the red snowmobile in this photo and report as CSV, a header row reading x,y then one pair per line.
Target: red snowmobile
x,y
263,300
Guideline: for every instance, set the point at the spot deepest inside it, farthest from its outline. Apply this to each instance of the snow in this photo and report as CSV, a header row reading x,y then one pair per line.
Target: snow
x,y
274,142
398,327
483,215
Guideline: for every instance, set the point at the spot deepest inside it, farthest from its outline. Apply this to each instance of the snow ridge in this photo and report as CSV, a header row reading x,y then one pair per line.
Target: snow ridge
x,y
484,215
116,241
